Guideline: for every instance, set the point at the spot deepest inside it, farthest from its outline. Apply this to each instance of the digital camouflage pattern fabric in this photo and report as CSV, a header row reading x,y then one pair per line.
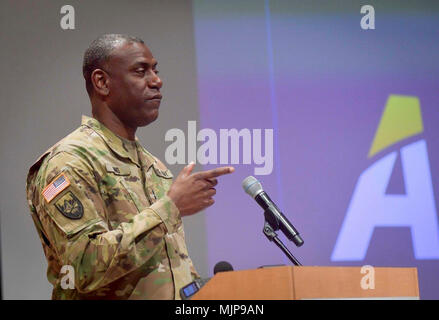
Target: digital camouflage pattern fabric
x,y
113,222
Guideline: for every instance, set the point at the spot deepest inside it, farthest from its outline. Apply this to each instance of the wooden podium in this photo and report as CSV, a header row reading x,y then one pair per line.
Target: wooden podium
x,y
292,283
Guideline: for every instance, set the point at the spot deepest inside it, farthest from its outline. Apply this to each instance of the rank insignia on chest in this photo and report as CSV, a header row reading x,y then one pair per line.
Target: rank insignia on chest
x,y
70,206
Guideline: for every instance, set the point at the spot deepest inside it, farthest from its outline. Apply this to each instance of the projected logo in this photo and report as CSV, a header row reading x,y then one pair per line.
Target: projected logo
x,y
371,206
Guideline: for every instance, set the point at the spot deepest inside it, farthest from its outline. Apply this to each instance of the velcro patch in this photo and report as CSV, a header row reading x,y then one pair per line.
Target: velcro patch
x,y
55,187
70,206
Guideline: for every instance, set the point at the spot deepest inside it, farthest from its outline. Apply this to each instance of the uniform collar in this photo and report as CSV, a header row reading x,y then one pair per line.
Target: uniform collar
x,y
123,147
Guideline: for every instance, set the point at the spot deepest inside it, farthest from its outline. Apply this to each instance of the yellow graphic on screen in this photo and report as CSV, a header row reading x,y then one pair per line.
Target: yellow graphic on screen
x,y
401,119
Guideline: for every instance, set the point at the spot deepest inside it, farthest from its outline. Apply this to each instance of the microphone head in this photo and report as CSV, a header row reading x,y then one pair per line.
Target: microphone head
x,y
252,186
222,266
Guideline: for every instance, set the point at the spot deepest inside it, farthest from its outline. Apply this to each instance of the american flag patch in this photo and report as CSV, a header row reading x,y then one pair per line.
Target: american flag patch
x,y
55,187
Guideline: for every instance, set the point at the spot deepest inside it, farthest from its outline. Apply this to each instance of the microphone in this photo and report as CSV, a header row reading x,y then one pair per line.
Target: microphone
x,y
254,188
190,289
222,266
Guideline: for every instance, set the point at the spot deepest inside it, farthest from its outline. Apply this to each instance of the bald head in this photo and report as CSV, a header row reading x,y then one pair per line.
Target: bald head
x,y
99,52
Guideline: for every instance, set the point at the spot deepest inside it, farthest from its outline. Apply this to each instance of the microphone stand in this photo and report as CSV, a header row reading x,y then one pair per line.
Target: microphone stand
x,y
271,224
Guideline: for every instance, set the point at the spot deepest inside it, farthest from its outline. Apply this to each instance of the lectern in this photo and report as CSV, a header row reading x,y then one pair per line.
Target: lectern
x,y
292,283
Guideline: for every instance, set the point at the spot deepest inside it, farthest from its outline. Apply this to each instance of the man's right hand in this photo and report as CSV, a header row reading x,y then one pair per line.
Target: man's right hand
x,y
192,192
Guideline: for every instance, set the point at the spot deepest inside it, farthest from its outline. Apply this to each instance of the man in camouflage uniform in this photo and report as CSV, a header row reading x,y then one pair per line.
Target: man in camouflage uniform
x,y
104,205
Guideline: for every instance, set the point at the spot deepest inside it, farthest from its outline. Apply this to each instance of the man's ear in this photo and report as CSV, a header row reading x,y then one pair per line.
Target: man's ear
x,y
100,80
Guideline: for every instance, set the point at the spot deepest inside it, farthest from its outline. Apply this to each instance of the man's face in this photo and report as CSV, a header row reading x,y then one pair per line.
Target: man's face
x,y
134,94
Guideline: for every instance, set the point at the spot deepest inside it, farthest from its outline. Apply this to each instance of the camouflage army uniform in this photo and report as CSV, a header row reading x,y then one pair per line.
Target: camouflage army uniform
x,y
99,204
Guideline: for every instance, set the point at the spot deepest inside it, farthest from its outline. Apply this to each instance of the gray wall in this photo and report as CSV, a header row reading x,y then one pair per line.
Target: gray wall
x,y
43,98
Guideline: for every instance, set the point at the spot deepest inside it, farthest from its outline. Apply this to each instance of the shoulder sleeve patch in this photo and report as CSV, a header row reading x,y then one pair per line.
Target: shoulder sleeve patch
x,y
57,185
70,206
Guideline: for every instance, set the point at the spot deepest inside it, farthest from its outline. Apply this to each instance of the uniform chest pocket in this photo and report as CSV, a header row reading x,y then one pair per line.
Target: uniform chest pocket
x,y
124,192
157,182
165,174
118,171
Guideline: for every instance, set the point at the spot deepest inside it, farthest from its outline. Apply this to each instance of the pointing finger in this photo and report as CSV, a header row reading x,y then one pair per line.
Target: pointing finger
x,y
214,173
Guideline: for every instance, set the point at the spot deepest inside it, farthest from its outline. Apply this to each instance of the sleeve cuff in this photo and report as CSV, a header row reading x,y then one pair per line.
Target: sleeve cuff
x,y
168,212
